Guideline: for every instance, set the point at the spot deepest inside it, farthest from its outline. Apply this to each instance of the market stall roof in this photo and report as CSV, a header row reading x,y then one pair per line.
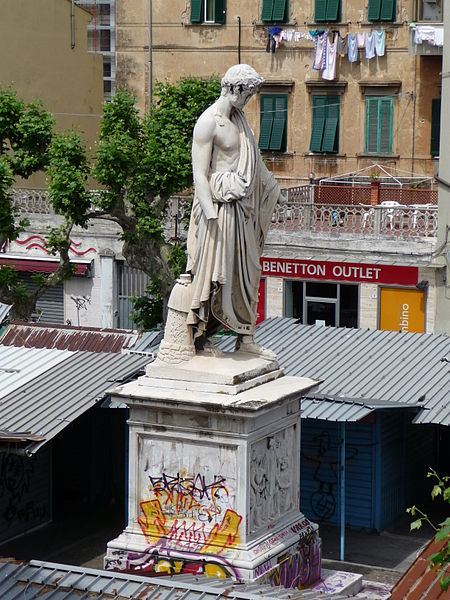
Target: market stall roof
x,y
362,370
42,391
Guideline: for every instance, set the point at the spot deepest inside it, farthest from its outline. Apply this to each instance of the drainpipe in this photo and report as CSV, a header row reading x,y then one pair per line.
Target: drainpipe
x,y
239,40
72,24
150,57
414,96
342,493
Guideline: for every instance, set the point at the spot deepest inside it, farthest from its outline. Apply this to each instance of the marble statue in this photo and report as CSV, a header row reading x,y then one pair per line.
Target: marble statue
x,y
235,196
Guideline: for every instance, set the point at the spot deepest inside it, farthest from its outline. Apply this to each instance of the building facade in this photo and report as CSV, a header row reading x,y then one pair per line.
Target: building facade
x,y
378,101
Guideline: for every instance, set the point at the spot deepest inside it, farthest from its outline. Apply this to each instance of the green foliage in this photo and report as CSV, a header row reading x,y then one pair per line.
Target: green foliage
x,y
68,172
147,311
167,158
439,560
25,133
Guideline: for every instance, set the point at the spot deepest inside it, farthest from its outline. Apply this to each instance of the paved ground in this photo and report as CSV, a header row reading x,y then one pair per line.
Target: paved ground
x,y
81,540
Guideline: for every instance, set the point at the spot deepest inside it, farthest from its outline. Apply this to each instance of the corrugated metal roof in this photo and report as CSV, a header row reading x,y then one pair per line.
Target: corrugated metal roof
x,y
148,342
36,579
4,310
364,365
18,366
47,402
67,337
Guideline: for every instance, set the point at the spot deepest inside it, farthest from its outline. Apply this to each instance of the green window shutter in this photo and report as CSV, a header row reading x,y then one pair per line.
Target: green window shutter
x,y
320,13
279,10
267,10
332,10
371,125
435,126
331,128
318,123
196,11
387,10
374,10
279,124
385,106
220,11
266,123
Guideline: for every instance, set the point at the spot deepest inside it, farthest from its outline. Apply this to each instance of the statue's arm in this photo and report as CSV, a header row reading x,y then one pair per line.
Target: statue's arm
x,y
202,147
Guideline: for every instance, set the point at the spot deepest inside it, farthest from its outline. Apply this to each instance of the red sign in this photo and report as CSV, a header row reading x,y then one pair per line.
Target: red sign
x,y
261,302
339,271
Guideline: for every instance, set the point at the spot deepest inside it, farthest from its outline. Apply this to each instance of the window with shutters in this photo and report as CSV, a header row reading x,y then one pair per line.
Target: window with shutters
x,y
273,123
275,11
381,10
435,126
208,11
379,115
325,124
327,10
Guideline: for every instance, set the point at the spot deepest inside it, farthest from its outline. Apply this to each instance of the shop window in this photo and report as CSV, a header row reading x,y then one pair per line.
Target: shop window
x,y
335,304
325,124
273,123
208,11
275,11
435,126
429,10
379,115
381,10
327,10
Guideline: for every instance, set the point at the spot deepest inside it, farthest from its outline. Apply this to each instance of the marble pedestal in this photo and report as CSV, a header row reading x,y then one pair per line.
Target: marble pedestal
x,y
214,466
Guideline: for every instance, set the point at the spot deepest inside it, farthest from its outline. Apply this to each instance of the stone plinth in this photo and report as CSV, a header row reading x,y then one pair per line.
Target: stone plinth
x,y
214,465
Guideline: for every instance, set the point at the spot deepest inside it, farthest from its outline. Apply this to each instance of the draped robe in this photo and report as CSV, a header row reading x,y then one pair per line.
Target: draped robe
x,y
224,254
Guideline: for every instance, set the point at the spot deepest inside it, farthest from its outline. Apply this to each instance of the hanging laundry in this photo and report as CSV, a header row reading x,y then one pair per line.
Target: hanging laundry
x,y
297,36
370,45
320,52
424,33
439,36
329,72
342,45
361,37
288,35
352,48
315,32
379,42
273,39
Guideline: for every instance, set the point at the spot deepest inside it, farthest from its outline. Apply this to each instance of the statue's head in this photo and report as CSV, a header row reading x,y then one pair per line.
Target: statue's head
x,y
240,82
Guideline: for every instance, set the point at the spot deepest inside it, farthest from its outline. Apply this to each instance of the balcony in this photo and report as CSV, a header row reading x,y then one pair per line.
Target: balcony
x,y
401,213
421,46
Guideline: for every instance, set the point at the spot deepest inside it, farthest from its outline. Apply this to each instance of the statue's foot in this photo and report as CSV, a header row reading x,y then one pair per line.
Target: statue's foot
x,y
257,350
209,349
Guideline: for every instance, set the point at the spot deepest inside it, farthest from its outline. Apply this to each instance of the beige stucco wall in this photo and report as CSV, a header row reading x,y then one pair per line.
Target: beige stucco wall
x,y
180,48
38,61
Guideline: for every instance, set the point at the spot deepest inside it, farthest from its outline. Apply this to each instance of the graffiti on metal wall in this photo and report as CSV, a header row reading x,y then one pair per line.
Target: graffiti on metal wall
x,y
324,458
298,569
16,504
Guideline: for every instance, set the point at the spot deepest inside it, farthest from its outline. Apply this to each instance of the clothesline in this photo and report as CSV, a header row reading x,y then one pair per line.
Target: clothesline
x,y
326,51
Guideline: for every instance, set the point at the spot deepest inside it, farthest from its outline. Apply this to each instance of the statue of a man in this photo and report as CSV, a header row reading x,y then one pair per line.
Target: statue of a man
x,y
235,196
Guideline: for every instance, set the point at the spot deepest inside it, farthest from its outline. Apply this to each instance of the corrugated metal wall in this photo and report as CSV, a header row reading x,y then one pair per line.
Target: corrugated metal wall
x,y
319,491
132,282
50,306
25,492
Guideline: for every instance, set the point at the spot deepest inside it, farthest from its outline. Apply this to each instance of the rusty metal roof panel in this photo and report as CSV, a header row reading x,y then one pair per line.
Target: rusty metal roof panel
x,y
47,402
367,365
67,337
419,581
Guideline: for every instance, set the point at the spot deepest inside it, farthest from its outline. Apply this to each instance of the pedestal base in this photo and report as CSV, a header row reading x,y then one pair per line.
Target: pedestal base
x,y
290,558
214,474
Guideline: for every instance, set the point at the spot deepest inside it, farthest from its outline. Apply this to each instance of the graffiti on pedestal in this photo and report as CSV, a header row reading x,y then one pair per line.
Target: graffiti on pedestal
x,y
298,568
272,490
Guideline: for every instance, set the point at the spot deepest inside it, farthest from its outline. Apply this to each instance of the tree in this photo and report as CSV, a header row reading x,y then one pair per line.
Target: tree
x,y
440,559
139,163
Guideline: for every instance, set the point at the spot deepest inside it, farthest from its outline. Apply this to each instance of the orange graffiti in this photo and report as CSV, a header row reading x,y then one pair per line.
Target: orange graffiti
x,y
189,534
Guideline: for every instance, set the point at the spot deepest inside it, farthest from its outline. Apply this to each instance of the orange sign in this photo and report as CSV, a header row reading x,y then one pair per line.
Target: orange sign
x,y
402,310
